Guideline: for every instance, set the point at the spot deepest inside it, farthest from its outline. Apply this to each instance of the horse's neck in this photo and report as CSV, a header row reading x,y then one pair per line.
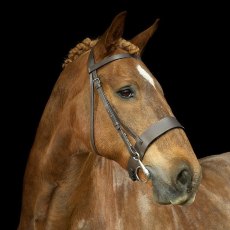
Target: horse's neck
x,y
65,189
106,196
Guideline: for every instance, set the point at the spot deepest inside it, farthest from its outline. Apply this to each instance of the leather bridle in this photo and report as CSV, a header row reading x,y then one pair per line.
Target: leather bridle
x,y
145,139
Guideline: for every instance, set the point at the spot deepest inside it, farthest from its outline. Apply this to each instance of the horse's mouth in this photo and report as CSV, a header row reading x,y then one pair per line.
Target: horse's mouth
x,y
167,190
166,194
181,201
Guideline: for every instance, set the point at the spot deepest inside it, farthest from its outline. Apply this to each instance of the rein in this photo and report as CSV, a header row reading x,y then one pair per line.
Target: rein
x,y
143,141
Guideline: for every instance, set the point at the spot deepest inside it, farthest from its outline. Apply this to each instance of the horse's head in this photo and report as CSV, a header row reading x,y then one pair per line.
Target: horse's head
x,y
138,112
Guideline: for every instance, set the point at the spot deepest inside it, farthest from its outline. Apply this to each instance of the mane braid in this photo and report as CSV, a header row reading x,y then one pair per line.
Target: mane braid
x,y
87,44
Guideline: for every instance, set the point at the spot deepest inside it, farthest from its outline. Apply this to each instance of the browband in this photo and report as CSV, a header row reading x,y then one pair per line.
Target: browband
x,y
109,59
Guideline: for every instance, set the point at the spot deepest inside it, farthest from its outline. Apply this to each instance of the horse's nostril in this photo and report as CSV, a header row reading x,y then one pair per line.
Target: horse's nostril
x,y
184,180
183,177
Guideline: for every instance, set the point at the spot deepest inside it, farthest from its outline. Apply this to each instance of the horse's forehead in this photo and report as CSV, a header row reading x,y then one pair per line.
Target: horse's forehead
x,y
132,68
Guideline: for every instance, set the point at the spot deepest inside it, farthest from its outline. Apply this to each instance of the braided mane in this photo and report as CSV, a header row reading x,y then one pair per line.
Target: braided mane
x,y
87,44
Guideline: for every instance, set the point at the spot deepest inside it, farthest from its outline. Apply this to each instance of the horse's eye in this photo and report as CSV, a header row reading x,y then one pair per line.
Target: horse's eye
x,y
126,93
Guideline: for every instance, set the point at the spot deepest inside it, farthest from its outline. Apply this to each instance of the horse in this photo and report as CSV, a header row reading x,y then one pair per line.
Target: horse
x,y
110,154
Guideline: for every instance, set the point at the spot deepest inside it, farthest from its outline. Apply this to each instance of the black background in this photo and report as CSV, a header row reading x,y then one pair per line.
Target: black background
x,y
189,55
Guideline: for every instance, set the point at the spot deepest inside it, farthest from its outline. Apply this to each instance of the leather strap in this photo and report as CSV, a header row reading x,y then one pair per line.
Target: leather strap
x,y
107,60
154,132
150,135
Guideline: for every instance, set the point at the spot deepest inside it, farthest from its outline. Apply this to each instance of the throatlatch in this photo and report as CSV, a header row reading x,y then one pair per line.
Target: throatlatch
x,y
142,142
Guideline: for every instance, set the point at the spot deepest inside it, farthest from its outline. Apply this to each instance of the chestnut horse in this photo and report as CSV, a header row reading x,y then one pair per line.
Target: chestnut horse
x,y
107,128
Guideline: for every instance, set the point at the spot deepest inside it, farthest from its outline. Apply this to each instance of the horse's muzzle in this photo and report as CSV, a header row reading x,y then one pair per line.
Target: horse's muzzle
x,y
178,188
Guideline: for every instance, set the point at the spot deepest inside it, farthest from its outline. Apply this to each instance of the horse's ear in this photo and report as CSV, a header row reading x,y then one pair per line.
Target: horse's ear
x,y
142,38
114,32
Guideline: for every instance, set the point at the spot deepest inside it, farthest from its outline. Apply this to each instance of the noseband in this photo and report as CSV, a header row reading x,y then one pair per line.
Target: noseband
x,y
145,139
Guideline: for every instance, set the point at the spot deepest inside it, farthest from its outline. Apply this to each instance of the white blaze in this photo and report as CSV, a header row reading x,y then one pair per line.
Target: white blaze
x,y
145,75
